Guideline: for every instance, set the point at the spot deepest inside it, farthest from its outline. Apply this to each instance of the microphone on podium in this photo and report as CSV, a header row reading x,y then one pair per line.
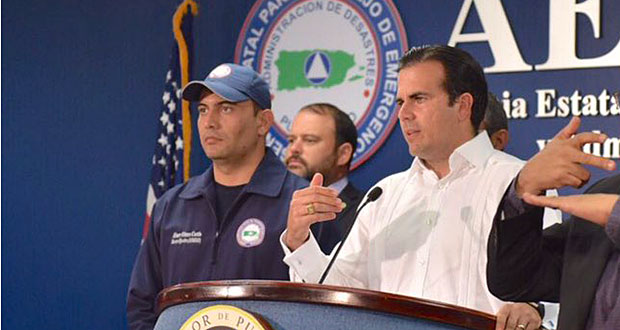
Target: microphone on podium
x,y
372,196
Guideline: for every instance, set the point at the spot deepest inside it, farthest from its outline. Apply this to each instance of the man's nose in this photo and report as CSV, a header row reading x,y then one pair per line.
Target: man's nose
x,y
210,119
405,112
295,147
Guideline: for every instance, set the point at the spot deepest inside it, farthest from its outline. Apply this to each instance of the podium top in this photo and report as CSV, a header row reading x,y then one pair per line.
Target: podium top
x,y
327,295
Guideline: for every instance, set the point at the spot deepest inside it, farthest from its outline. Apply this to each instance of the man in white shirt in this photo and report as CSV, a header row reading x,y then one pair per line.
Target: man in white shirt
x,y
426,236
322,140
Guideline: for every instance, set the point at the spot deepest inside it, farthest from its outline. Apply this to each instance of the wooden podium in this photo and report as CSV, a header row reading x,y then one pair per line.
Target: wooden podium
x,y
288,306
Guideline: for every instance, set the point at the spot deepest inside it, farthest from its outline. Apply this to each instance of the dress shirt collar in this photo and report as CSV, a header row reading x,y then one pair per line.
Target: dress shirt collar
x,y
473,153
339,185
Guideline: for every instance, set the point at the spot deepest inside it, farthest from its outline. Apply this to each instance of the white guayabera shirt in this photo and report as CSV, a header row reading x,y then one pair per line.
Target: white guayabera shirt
x,y
424,237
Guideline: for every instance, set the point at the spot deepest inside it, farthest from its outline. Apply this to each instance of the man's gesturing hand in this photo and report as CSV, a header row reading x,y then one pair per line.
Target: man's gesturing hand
x,y
310,205
561,162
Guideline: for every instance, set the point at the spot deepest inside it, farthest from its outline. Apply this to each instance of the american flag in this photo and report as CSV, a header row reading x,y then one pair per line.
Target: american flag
x,y
172,146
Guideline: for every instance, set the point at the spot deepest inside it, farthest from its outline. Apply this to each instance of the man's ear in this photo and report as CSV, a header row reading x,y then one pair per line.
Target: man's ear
x,y
265,119
499,139
345,153
466,103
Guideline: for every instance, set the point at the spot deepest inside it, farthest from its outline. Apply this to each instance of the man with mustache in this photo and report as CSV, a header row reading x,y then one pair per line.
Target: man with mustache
x,y
224,223
322,140
426,235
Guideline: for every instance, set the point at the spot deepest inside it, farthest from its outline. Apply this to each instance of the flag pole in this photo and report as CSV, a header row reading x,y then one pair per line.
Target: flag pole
x,y
177,20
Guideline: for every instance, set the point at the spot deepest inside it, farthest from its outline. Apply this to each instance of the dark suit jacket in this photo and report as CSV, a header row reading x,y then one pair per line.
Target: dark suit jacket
x,y
562,263
329,233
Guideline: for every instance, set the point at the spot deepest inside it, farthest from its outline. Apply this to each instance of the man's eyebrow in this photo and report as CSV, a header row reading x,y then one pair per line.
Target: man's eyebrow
x,y
416,94
412,95
223,102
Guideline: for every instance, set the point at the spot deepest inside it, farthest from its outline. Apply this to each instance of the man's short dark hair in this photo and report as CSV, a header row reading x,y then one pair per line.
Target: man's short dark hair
x,y
345,128
495,116
463,75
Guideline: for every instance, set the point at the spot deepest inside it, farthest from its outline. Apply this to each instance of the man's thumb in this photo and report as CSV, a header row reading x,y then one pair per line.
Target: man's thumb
x,y
317,180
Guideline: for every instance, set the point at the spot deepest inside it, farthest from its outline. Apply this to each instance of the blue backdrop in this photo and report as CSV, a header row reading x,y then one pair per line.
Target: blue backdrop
x,y
81,93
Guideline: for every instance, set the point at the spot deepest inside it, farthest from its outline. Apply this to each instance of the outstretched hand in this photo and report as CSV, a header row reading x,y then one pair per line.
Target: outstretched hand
x,y
592,207
561,162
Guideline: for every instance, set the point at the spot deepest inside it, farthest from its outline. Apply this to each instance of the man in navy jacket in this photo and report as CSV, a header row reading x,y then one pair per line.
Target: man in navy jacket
x,y
225,223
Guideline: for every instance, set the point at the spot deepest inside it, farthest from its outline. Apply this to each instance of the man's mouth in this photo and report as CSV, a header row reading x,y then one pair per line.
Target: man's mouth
x,y
412,132
295,162
212,139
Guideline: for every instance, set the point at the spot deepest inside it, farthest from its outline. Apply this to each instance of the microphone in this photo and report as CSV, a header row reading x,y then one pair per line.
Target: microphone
x,y
372,196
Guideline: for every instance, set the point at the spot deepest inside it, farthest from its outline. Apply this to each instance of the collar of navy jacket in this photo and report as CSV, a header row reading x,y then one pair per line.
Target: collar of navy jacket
x,y
267,180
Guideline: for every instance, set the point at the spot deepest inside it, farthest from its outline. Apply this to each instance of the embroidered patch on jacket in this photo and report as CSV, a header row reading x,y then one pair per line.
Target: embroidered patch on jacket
x,y
251,233
184,237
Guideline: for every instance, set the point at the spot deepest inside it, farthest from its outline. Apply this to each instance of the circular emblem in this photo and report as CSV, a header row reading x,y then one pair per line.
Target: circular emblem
x,y
342,52
224,317
220,71
251,233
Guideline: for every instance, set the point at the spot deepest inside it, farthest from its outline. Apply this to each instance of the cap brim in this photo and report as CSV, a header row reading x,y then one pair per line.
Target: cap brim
x,y
194,90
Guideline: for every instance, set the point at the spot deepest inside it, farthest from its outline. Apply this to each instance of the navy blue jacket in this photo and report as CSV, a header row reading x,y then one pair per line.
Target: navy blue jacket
x,y
187,243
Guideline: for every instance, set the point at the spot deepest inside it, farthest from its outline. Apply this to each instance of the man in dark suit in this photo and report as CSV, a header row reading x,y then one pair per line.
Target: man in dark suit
x,y
577,262
322,140
495,122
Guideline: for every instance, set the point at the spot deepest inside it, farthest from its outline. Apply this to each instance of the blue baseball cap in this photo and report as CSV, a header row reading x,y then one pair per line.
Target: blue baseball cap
x,y
232,82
